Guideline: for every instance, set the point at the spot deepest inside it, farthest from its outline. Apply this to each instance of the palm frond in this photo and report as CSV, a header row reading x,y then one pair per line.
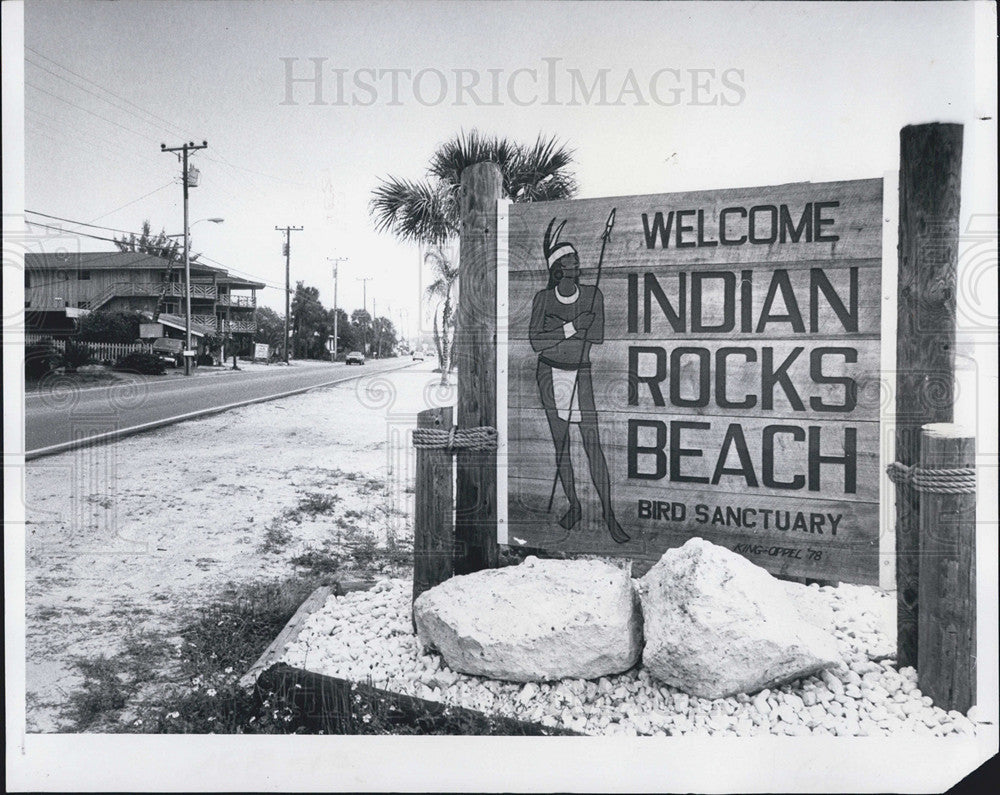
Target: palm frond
x,y
428,211
444,269
541,172
466,149
442,264
415,211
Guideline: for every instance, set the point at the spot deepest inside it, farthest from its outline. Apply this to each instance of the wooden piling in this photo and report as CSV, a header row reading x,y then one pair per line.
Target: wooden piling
x,y
930,167
946,667
475,353
433,524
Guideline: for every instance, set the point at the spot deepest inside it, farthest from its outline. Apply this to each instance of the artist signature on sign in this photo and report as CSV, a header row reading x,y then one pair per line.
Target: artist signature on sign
x,y
795,553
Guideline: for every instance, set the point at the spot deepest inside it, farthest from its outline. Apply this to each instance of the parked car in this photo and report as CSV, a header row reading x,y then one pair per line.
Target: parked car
x,y
418,356
169,351
354,357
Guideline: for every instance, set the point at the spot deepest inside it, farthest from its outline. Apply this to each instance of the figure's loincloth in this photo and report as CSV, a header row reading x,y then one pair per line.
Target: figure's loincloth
x,y
568,392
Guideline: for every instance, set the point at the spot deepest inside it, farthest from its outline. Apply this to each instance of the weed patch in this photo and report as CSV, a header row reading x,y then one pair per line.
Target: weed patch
x,y
104,692
317,561
152,687
109,682
276,536
312,505
398,552
364,550
371,485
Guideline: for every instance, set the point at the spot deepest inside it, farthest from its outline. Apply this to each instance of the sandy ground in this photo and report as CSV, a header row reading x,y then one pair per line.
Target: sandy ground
x,y
127,537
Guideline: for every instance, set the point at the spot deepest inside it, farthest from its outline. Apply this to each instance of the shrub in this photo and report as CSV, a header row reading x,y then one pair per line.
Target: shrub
x,y
206,359
141,362
76,355
41,358
102,326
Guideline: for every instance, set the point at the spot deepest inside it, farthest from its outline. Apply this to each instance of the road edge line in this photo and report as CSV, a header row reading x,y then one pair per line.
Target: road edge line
x,y
123,433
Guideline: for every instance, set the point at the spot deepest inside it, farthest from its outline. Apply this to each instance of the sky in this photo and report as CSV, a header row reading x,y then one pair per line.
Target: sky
x,y
697,95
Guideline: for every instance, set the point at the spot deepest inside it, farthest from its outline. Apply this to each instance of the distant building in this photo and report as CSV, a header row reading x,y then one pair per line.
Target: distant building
x,y
58,288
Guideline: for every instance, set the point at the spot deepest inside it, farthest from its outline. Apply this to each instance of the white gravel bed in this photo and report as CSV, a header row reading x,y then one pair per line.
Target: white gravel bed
x,y
367,635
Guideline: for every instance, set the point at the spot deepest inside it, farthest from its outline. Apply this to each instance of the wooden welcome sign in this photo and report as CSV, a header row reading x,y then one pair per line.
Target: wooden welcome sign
x,y
695,364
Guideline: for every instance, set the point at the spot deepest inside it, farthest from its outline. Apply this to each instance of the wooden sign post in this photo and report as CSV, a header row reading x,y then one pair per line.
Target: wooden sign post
x,y
699,364
930,167
946,656
433,529
475,356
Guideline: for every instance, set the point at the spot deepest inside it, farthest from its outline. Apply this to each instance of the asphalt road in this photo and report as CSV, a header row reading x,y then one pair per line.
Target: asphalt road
x,y
59,418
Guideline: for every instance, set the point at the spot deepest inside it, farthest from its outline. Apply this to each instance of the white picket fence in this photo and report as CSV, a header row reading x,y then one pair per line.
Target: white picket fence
x,y
101,351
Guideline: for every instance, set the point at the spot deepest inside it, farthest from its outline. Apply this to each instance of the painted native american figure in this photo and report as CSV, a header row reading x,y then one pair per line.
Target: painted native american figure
x,y
567,318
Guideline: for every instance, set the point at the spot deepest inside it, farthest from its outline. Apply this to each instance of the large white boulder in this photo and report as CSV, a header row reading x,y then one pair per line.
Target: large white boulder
x,y
717,625
541,620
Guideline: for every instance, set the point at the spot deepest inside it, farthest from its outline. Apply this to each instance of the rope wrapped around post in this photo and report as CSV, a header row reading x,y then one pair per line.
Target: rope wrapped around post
x,y
455,438
935,481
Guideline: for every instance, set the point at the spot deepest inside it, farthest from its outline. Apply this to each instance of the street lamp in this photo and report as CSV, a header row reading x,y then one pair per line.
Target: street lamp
x,y
210,220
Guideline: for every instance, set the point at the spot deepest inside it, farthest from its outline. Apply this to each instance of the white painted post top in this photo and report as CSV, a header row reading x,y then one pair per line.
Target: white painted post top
x,y
947,430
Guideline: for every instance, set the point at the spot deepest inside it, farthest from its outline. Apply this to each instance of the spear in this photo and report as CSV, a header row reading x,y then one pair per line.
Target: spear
x,y
583,352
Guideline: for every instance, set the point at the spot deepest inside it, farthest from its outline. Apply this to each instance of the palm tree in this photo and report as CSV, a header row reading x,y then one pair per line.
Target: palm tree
x,y
428,211
441,288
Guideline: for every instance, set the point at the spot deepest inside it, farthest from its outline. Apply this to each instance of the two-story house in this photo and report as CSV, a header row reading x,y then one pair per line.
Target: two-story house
x,y
60,287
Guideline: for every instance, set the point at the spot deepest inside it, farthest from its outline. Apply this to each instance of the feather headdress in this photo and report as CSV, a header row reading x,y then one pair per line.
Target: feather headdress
x,y
552,249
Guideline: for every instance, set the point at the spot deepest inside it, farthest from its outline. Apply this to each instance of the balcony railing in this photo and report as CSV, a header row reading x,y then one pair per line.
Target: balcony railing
x,y
172,289
206,321
242,301
219,325
210,324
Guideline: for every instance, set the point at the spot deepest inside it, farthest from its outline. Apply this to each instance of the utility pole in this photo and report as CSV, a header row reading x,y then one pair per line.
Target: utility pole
x,y
364,301
287,230
336,263
404,327
186,180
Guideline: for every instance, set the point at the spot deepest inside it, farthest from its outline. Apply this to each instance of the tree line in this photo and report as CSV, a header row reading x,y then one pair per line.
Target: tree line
x,y
311,328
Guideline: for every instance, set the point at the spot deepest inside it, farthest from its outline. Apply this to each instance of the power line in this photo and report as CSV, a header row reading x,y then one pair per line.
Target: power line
x,y
200,257
52,127
97,96
239,272
85,110
106,90
80,148
129,204
69,231
81,223
221,160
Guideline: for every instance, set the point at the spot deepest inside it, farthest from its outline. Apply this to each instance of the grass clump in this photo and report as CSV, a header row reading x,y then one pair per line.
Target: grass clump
x,y
110,682
364,551
150,686
277,535
312,505
318,561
